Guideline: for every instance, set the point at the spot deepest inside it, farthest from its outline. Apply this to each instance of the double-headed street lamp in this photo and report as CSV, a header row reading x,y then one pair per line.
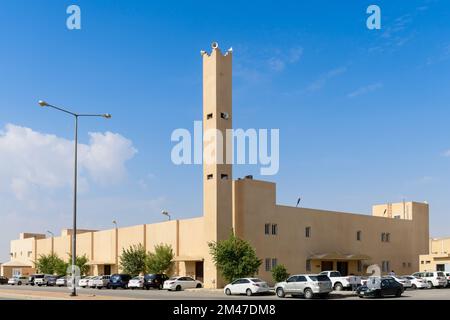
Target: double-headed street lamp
x,y
74,230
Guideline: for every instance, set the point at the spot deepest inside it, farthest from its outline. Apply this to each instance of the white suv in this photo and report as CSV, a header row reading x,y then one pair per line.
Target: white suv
x,y
306,285
433,278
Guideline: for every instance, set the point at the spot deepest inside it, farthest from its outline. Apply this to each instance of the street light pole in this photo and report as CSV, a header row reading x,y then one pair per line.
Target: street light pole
x,y
74,229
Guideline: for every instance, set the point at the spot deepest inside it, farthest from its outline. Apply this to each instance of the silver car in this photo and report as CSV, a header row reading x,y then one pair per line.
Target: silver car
x,y
307,285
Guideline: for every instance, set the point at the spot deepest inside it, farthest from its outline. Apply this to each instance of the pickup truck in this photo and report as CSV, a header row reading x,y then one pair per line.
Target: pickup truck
x,y
340,283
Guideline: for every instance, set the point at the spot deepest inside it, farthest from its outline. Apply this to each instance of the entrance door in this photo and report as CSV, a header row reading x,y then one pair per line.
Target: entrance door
x,y
107,269
327,265
342,267
199,270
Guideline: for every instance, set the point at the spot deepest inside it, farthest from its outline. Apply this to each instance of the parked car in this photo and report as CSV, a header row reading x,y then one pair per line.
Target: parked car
x,y
433,278
379,287
83,282
62,281
417,283
102,282
136,282
33,277
42,280
18,280
405,282
155,280
340,283
119,281
91,282
447,275
181,283
248,286
3,280
307,285
51,281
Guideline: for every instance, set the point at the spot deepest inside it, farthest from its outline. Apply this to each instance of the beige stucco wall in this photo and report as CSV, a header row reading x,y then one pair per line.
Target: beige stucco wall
x,y
438,256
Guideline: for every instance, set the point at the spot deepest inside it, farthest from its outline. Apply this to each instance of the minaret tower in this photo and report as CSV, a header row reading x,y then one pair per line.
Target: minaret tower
x,y
217,174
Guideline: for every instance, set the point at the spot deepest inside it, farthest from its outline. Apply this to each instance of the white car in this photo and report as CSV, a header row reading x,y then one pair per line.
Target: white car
x,y
248,286
91,282
181,283
307,285
136,282
340,282
83,283
416,283
18,280
405,282
61,282
433,278
102,281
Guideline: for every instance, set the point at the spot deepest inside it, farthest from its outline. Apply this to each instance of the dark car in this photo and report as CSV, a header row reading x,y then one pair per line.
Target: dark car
x,y
51,281
380,287
154,281
3,280
119,281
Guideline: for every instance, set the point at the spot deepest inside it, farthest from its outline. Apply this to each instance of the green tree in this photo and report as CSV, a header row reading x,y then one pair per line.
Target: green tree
x,y
50,264
133,260
279,273
80,262
161,260
234,258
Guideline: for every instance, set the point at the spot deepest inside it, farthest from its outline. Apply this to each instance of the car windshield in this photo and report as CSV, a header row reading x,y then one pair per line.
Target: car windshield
x,y
137,278
174,278
320,277
256,280
440,274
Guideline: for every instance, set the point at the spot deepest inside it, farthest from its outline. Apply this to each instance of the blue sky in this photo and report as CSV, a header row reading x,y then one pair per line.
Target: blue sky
x,y
363,114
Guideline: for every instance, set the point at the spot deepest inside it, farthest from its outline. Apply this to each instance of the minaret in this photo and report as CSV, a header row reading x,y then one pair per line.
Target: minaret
x,y
217,174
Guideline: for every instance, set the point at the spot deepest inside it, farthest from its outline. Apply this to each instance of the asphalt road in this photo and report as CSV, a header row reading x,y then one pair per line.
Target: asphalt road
x,y
197,294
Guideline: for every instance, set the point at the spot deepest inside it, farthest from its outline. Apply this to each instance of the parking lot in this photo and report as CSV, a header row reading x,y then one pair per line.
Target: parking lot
x,y
30,292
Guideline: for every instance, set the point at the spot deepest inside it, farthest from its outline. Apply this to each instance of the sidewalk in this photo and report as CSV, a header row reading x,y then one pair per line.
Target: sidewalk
x,y
46,295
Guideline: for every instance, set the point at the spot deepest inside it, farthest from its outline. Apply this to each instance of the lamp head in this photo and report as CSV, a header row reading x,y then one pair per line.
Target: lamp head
x,y
107,116
42,103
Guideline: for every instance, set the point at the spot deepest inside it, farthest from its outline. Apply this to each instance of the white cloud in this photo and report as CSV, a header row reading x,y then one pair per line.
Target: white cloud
x,y
31,161
364,90
447,153
278,63
323,79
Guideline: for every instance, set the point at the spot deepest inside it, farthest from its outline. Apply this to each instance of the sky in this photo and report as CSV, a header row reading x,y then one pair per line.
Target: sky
x,y
363,114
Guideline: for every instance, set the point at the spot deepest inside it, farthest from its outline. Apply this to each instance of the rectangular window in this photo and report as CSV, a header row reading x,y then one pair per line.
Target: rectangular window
x,y
209,116
409,264
388,237
358,235
267,228
308,232
308,265
404,264
209,176
274,263
274,229
224,176
268,264
421,262
383,237
385,266
224,115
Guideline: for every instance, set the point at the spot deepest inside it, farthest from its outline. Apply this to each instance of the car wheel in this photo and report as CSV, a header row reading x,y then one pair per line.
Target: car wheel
x,y
178,288
19,283
280,293
398,293
198,286
414,287
430,285
248,292
308,293
228,292
338,286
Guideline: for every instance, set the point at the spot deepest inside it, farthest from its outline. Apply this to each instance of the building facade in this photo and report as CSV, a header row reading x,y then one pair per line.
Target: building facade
x,y
304,240
438,258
